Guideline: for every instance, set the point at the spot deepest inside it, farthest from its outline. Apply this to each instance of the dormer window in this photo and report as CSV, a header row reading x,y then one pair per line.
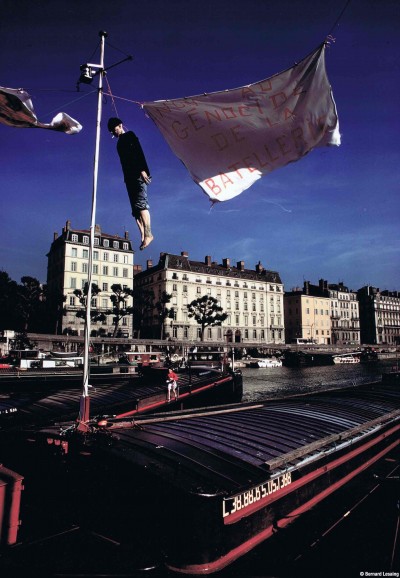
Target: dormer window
x,y
116,244
85,240
106,243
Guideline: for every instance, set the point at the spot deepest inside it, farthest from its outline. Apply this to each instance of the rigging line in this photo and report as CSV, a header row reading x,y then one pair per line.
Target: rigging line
x,y
71,102
126,99
112,96
339,17
119,50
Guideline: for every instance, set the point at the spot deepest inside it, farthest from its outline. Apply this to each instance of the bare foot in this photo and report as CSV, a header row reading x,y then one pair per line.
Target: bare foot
x,y
146,242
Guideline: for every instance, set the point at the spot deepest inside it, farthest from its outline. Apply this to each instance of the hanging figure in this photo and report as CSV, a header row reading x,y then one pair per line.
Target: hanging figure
x,y
136,176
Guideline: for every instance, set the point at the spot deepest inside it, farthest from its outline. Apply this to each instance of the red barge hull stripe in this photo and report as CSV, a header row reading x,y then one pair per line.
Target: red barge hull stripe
x,y
181,397
248,545
308,478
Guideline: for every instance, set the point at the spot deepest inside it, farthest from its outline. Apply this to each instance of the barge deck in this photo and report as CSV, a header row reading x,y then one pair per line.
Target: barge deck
x,y
217,482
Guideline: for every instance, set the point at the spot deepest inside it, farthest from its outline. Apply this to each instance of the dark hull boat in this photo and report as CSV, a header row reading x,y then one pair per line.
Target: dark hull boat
x,y
121,396
216,483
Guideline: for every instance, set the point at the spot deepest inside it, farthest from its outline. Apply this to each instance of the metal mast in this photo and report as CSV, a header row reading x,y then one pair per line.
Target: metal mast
x,y
84,408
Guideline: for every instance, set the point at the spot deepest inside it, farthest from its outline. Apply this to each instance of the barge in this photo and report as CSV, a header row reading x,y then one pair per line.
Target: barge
x,y
217,482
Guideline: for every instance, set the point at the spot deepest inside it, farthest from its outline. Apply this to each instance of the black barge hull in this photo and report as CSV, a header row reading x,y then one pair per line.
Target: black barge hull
x,y
215,482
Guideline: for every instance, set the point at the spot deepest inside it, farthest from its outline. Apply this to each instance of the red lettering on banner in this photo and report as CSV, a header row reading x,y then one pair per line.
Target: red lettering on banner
x,y
287,113
260,162
236,137
243,109
192,117
228,111
214,188
265,85
283,147
298,138
269,154
249,165
236,168
278,99
176,126
220,140
225,180
212,115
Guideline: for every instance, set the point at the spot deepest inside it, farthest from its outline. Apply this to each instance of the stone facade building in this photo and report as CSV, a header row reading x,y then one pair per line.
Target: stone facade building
x,y
67,270
379,316
345,315
307,314
253,299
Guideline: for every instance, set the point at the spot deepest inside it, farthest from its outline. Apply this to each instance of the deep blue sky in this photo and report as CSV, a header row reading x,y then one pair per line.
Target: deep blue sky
x,y
332,215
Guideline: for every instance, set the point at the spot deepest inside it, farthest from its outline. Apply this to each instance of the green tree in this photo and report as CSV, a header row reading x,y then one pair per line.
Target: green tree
x,y
9,317
31,303
164,312
206,311
143,305
120,308
95,313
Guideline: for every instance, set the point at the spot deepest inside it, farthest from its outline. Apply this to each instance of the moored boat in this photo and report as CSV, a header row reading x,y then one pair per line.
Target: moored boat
x,y
218,482
346,359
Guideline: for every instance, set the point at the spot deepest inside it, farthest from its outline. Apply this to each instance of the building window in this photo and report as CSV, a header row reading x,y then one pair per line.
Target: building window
x,y
96,241
115,271
74,238
84,267
74,252
73,266
125,273
237,319
125,259
96,255
125,246
85,240
184,288
246,333
105,256
105,286
116,244
95,269
105,270
73,283
85,254
106,243
174,287
185,333
104,302
198,291
255,334
115,257
72,301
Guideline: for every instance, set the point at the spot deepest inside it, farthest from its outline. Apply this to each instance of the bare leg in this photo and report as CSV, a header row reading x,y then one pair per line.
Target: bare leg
x,y
148,236
141,228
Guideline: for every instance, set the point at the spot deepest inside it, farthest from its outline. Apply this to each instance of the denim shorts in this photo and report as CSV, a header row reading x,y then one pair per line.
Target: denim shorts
x,y
137,191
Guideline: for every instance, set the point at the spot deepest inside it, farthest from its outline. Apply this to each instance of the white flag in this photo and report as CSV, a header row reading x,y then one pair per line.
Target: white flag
x,y
16,110
229,139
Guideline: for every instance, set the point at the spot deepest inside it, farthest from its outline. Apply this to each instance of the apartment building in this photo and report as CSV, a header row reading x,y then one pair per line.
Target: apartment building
x,y
67,270
308,313
379,316
345,315
252,299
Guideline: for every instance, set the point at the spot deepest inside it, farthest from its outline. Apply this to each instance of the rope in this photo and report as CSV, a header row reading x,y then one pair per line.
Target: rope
x,y
338,18
112,97
126,99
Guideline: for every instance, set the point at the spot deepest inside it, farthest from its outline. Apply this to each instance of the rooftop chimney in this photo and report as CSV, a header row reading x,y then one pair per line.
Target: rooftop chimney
x,y
207,260
149,263
240,265
126,235
184,254
97,230
55,236
226,263
259,267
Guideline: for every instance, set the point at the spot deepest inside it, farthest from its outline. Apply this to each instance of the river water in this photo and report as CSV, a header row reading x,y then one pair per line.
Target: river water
x,y
264,383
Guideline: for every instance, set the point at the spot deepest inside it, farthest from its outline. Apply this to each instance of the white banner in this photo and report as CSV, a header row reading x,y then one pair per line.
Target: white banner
x,y
16,110
229,139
